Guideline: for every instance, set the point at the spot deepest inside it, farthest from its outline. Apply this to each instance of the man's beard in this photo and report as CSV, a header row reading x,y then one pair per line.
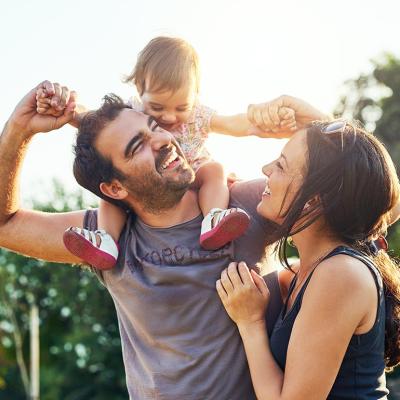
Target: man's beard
x,y
157,193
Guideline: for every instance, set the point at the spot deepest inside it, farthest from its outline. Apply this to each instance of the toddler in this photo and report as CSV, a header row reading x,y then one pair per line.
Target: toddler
x,y
166,77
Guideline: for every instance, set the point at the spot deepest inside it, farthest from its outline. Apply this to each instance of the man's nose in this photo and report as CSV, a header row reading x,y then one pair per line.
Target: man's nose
x,y
160,139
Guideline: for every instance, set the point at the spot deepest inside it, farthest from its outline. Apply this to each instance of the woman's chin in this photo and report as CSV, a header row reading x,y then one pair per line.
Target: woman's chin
x,y
264,211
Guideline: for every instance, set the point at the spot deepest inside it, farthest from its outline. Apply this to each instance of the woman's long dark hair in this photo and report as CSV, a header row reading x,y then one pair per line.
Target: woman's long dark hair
x,y
354,178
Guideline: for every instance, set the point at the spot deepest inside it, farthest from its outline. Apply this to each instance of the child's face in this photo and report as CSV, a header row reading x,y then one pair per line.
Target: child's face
x,y
170,109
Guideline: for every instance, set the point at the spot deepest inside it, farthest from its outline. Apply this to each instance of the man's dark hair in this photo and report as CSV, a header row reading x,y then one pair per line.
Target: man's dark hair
x,y
90,167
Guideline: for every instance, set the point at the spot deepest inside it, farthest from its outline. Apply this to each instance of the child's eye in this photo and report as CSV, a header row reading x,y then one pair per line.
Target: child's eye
x,y
279,165
156,108
182,109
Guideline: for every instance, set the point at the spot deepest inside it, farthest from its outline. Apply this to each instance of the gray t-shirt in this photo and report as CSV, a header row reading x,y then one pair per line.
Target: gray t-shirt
x,y
177,340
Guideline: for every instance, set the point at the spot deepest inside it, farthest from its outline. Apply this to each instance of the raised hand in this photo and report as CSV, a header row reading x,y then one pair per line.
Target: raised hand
x,y
26,119
277,115
52,98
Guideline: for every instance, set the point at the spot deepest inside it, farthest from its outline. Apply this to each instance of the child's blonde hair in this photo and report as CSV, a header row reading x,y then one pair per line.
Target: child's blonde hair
x,y
166,63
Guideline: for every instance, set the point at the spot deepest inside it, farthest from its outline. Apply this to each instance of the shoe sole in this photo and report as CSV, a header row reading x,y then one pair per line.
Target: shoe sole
x,y
229,229
82,248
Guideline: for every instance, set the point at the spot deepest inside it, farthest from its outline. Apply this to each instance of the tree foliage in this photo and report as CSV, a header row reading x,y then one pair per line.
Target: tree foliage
x,y
374,99
80,351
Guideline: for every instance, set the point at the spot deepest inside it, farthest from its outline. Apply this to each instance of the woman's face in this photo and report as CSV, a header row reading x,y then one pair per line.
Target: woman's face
x,y
285,176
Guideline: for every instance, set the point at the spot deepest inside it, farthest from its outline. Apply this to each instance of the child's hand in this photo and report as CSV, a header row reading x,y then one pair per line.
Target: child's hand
x,y
287,118
267,118
272,117
53,99
43,101
287,126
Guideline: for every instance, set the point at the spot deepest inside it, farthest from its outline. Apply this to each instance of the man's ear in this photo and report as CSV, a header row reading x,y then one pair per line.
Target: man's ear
x,y
114,189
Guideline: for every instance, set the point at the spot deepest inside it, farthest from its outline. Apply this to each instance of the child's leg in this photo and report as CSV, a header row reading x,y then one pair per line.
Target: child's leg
x,y
111,218
98,248
220,225
213,191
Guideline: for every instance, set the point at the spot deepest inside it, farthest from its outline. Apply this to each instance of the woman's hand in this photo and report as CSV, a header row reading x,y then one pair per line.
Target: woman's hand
x,y
266,116
244,294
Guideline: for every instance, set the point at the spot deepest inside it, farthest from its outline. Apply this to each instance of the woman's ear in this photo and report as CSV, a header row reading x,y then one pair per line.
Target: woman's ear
x,y
114,189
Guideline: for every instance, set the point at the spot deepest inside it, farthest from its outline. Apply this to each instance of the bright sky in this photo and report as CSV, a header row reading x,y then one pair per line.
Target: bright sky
x,y
250,51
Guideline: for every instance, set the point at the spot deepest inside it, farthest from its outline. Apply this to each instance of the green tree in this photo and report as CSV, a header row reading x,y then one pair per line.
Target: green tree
x,y
374,99
80,352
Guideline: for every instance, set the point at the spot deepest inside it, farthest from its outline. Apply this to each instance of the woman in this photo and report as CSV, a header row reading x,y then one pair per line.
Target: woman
x,y
332,190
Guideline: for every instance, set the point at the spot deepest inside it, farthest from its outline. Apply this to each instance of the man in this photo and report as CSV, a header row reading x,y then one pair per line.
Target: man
x,y
177,341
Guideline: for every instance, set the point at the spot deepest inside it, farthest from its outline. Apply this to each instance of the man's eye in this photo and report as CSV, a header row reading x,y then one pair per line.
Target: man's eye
x,y
135,149
154,125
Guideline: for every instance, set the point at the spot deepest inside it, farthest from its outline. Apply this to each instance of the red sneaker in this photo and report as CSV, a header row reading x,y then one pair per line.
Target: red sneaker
x,y
220,227
97,248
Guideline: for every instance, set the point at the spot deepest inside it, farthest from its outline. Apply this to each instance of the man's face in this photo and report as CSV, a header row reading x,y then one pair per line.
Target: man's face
x,y
156,173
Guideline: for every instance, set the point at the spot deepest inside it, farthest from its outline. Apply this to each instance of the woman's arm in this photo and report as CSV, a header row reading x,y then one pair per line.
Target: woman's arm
x,y
265,115
339,297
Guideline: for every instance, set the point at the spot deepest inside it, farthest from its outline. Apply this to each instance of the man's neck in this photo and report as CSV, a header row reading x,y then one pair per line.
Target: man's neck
x,y
187,209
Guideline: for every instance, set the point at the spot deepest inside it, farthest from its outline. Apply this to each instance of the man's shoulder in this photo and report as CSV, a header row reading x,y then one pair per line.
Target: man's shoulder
x,y
246,194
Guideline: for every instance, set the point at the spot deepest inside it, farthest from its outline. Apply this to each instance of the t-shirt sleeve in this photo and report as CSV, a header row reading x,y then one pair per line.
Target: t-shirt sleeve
x,y
90,222
247,195
202,118
275,303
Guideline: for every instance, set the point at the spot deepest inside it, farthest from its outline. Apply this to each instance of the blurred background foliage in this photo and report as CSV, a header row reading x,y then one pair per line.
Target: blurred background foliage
x,y
80,352
80,346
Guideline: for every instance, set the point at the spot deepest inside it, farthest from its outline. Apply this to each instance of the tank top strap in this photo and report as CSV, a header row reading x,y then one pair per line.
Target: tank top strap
x,y
352,253
364,259
355,254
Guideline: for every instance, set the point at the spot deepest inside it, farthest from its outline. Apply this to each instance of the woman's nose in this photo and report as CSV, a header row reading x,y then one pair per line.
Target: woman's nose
x,y
266,169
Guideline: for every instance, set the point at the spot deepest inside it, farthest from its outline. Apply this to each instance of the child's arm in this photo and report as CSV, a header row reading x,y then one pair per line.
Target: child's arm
x,y
284,124
111,218
50,102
